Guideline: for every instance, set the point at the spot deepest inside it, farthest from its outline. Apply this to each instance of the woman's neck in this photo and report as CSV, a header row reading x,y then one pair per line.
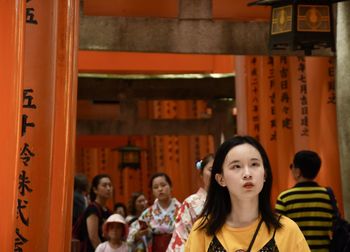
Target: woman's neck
x,y
164,203
243,213
101,201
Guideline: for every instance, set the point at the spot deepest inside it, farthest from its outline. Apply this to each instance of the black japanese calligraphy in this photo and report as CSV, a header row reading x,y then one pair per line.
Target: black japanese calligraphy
x,y
22,204
284,98
254,89
272,98
20,240
24,182
30,16
26,154
28,99
303,97
331,83
26,124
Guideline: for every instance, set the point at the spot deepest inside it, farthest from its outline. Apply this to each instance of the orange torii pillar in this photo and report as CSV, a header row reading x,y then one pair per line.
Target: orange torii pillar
x,y
65,124
11,64
46,142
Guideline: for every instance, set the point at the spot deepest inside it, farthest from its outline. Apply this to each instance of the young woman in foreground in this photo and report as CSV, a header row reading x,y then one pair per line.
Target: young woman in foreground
x,y
237,215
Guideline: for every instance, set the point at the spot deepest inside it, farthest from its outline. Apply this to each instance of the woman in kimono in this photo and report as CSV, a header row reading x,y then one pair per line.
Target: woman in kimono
x,y
191,207
155,226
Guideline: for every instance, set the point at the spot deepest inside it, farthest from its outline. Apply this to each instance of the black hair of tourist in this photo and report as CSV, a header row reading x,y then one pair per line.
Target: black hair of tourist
x,y
122,205
218,204
81,183
309,163
200,164
132,202
94,184
160,174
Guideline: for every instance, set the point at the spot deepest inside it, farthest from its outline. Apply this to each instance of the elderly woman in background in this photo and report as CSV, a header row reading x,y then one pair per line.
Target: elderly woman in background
x,y
154,227
191,207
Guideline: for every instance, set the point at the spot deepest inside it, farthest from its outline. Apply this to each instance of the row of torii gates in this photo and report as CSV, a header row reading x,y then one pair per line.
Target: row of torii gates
x,y
38,76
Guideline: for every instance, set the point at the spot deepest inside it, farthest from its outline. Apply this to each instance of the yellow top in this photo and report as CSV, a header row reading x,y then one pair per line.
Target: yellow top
x,y
288,238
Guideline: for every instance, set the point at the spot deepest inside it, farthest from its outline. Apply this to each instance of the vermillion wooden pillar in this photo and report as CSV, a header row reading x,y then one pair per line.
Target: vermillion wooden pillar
x,y
36,139
11,62
64,128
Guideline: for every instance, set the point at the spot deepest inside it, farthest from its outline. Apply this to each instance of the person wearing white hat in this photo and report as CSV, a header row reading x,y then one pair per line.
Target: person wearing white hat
x,y
115,229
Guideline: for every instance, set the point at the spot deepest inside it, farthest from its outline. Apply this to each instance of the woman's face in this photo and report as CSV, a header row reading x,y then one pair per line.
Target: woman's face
x,y
104,188
115,231
243,172
207,173
161,189
140,203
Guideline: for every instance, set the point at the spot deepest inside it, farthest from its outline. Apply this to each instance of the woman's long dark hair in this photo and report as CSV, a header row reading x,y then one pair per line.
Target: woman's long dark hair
x,y
218,204
132,203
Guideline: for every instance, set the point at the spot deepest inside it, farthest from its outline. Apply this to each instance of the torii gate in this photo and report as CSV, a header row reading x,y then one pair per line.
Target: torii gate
x,y
38,75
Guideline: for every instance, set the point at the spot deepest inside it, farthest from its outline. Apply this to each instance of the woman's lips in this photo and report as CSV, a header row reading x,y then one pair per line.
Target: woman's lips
x,y
248,185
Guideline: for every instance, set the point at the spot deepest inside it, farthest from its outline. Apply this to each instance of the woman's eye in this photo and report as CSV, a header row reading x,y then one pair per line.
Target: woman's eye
x,y
236,166
255,164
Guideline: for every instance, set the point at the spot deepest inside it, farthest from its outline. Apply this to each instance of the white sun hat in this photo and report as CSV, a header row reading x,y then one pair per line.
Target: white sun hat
x,y
118,219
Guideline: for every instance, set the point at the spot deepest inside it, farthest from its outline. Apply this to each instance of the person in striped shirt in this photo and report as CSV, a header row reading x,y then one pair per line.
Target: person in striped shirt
x,y
307,203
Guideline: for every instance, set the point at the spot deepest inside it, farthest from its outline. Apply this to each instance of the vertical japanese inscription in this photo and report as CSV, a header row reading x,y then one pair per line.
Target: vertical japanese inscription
x,y
304,119
24,182
254,90
272,98
331,82
284,97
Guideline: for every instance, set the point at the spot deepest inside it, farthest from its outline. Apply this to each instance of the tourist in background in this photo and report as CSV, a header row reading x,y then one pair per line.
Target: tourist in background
x,y
97,212
80,199
120,208
156,224
192,207
307,203
136,205
115,229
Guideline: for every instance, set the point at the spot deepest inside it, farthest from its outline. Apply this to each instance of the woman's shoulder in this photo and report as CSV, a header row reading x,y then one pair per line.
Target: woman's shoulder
x,y
192,197
288,224
199,225
94,208
289,237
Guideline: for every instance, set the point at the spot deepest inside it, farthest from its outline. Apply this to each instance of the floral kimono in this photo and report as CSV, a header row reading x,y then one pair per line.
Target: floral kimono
x,y
160,221
186,216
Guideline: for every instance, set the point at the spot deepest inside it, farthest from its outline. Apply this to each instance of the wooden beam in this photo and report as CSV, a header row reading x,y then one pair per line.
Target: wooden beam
x,y
196,36
145,127
155,89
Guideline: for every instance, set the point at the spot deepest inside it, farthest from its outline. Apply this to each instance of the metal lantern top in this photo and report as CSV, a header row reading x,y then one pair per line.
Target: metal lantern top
x,y
130,156
304,25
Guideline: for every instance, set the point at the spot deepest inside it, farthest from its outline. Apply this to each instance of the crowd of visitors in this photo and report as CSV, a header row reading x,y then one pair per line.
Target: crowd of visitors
x,y
231,211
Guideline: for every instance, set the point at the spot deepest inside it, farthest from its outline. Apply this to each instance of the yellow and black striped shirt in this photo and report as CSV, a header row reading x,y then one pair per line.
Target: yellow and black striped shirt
x,y
309,205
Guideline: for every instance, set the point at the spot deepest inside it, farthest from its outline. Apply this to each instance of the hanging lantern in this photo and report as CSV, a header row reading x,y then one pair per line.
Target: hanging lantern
x,y
300,24
130,156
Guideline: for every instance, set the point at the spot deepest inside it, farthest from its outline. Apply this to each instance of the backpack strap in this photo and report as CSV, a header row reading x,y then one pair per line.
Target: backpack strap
x,y
254,236
333,202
